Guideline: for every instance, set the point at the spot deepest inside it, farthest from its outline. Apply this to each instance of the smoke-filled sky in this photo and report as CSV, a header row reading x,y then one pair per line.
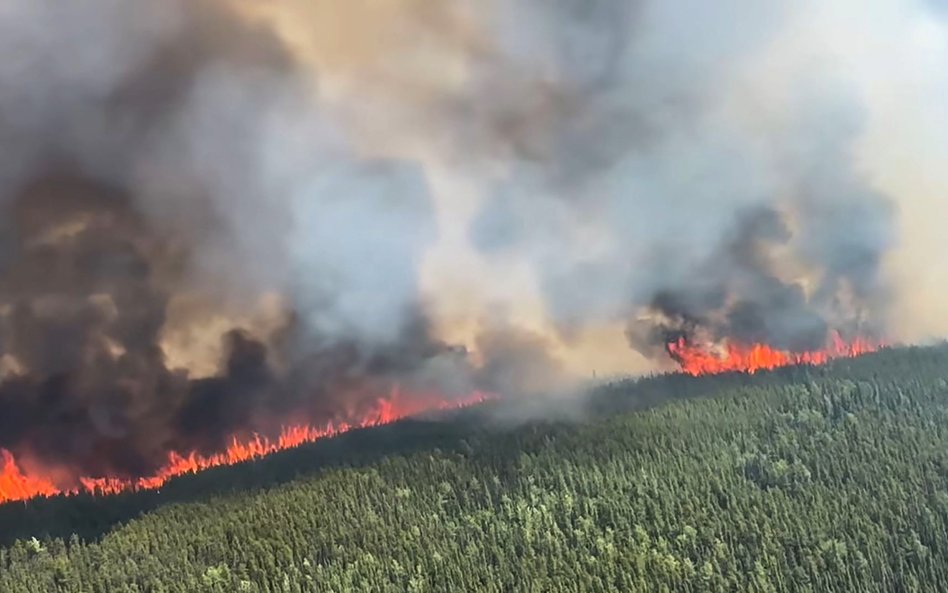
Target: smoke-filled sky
x,y
594,163
217,214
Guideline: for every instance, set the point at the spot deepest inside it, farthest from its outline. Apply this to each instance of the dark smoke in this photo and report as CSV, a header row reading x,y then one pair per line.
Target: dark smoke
x,y
788,273
132,182
738,294
674,170
85,285
654,187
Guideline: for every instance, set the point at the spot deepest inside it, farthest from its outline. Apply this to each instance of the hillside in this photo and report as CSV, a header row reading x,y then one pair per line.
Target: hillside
x,y
806,479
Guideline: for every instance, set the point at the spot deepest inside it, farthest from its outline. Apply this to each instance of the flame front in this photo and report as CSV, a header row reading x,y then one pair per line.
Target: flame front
x,y
17,484
741,358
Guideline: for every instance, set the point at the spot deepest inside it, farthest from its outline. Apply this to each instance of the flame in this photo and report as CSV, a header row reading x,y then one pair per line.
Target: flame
x,y
18,485
741,358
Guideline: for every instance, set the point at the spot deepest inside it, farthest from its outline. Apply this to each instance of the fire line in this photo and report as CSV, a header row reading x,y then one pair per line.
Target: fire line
x,y
19,485
701,360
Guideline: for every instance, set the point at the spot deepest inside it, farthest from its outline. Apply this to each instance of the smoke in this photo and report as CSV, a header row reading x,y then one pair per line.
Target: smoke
x,y
593,159
221,215
667,198
190,249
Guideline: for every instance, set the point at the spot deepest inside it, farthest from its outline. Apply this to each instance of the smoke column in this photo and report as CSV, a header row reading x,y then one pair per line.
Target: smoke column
x,y
219,216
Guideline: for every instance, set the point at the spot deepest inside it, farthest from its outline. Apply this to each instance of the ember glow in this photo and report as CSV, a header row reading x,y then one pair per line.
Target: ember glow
x,y
17,484
740,358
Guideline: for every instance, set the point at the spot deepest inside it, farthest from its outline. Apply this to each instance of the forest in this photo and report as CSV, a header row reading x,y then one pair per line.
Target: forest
x,y
805,479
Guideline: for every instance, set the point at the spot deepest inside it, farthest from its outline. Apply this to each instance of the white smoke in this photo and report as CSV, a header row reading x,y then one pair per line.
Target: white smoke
x,y
546,166
594,151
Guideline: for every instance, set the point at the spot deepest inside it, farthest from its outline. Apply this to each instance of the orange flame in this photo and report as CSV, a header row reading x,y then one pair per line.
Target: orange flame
x,y
17,484
700,360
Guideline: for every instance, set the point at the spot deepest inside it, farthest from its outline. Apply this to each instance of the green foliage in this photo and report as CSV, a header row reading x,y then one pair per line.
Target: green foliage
x,y
805,480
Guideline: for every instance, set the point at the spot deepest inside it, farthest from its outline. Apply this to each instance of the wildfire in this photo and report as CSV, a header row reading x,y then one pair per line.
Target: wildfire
x,y
700,360
17,484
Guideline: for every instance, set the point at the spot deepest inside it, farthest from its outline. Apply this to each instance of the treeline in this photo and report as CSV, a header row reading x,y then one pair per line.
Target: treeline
x,y
808,479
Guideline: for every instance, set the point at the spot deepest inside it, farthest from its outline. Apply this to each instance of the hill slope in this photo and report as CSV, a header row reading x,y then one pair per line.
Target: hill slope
x,y
826,479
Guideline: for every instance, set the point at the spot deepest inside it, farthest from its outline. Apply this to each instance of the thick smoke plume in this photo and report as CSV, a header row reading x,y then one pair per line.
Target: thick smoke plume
x,y
166,172
219,216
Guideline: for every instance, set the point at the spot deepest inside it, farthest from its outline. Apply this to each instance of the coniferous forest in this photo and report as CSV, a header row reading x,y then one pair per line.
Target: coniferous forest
x,y
807,479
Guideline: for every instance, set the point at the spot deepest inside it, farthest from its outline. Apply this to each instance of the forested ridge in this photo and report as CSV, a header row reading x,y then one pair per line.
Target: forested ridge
x,y
806,479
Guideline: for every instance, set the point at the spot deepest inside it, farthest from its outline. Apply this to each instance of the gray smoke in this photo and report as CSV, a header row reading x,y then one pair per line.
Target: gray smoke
x,y
174,152
644,192
218,216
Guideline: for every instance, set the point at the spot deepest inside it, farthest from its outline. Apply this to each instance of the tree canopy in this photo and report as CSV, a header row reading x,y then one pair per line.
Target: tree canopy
x,y
806,479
